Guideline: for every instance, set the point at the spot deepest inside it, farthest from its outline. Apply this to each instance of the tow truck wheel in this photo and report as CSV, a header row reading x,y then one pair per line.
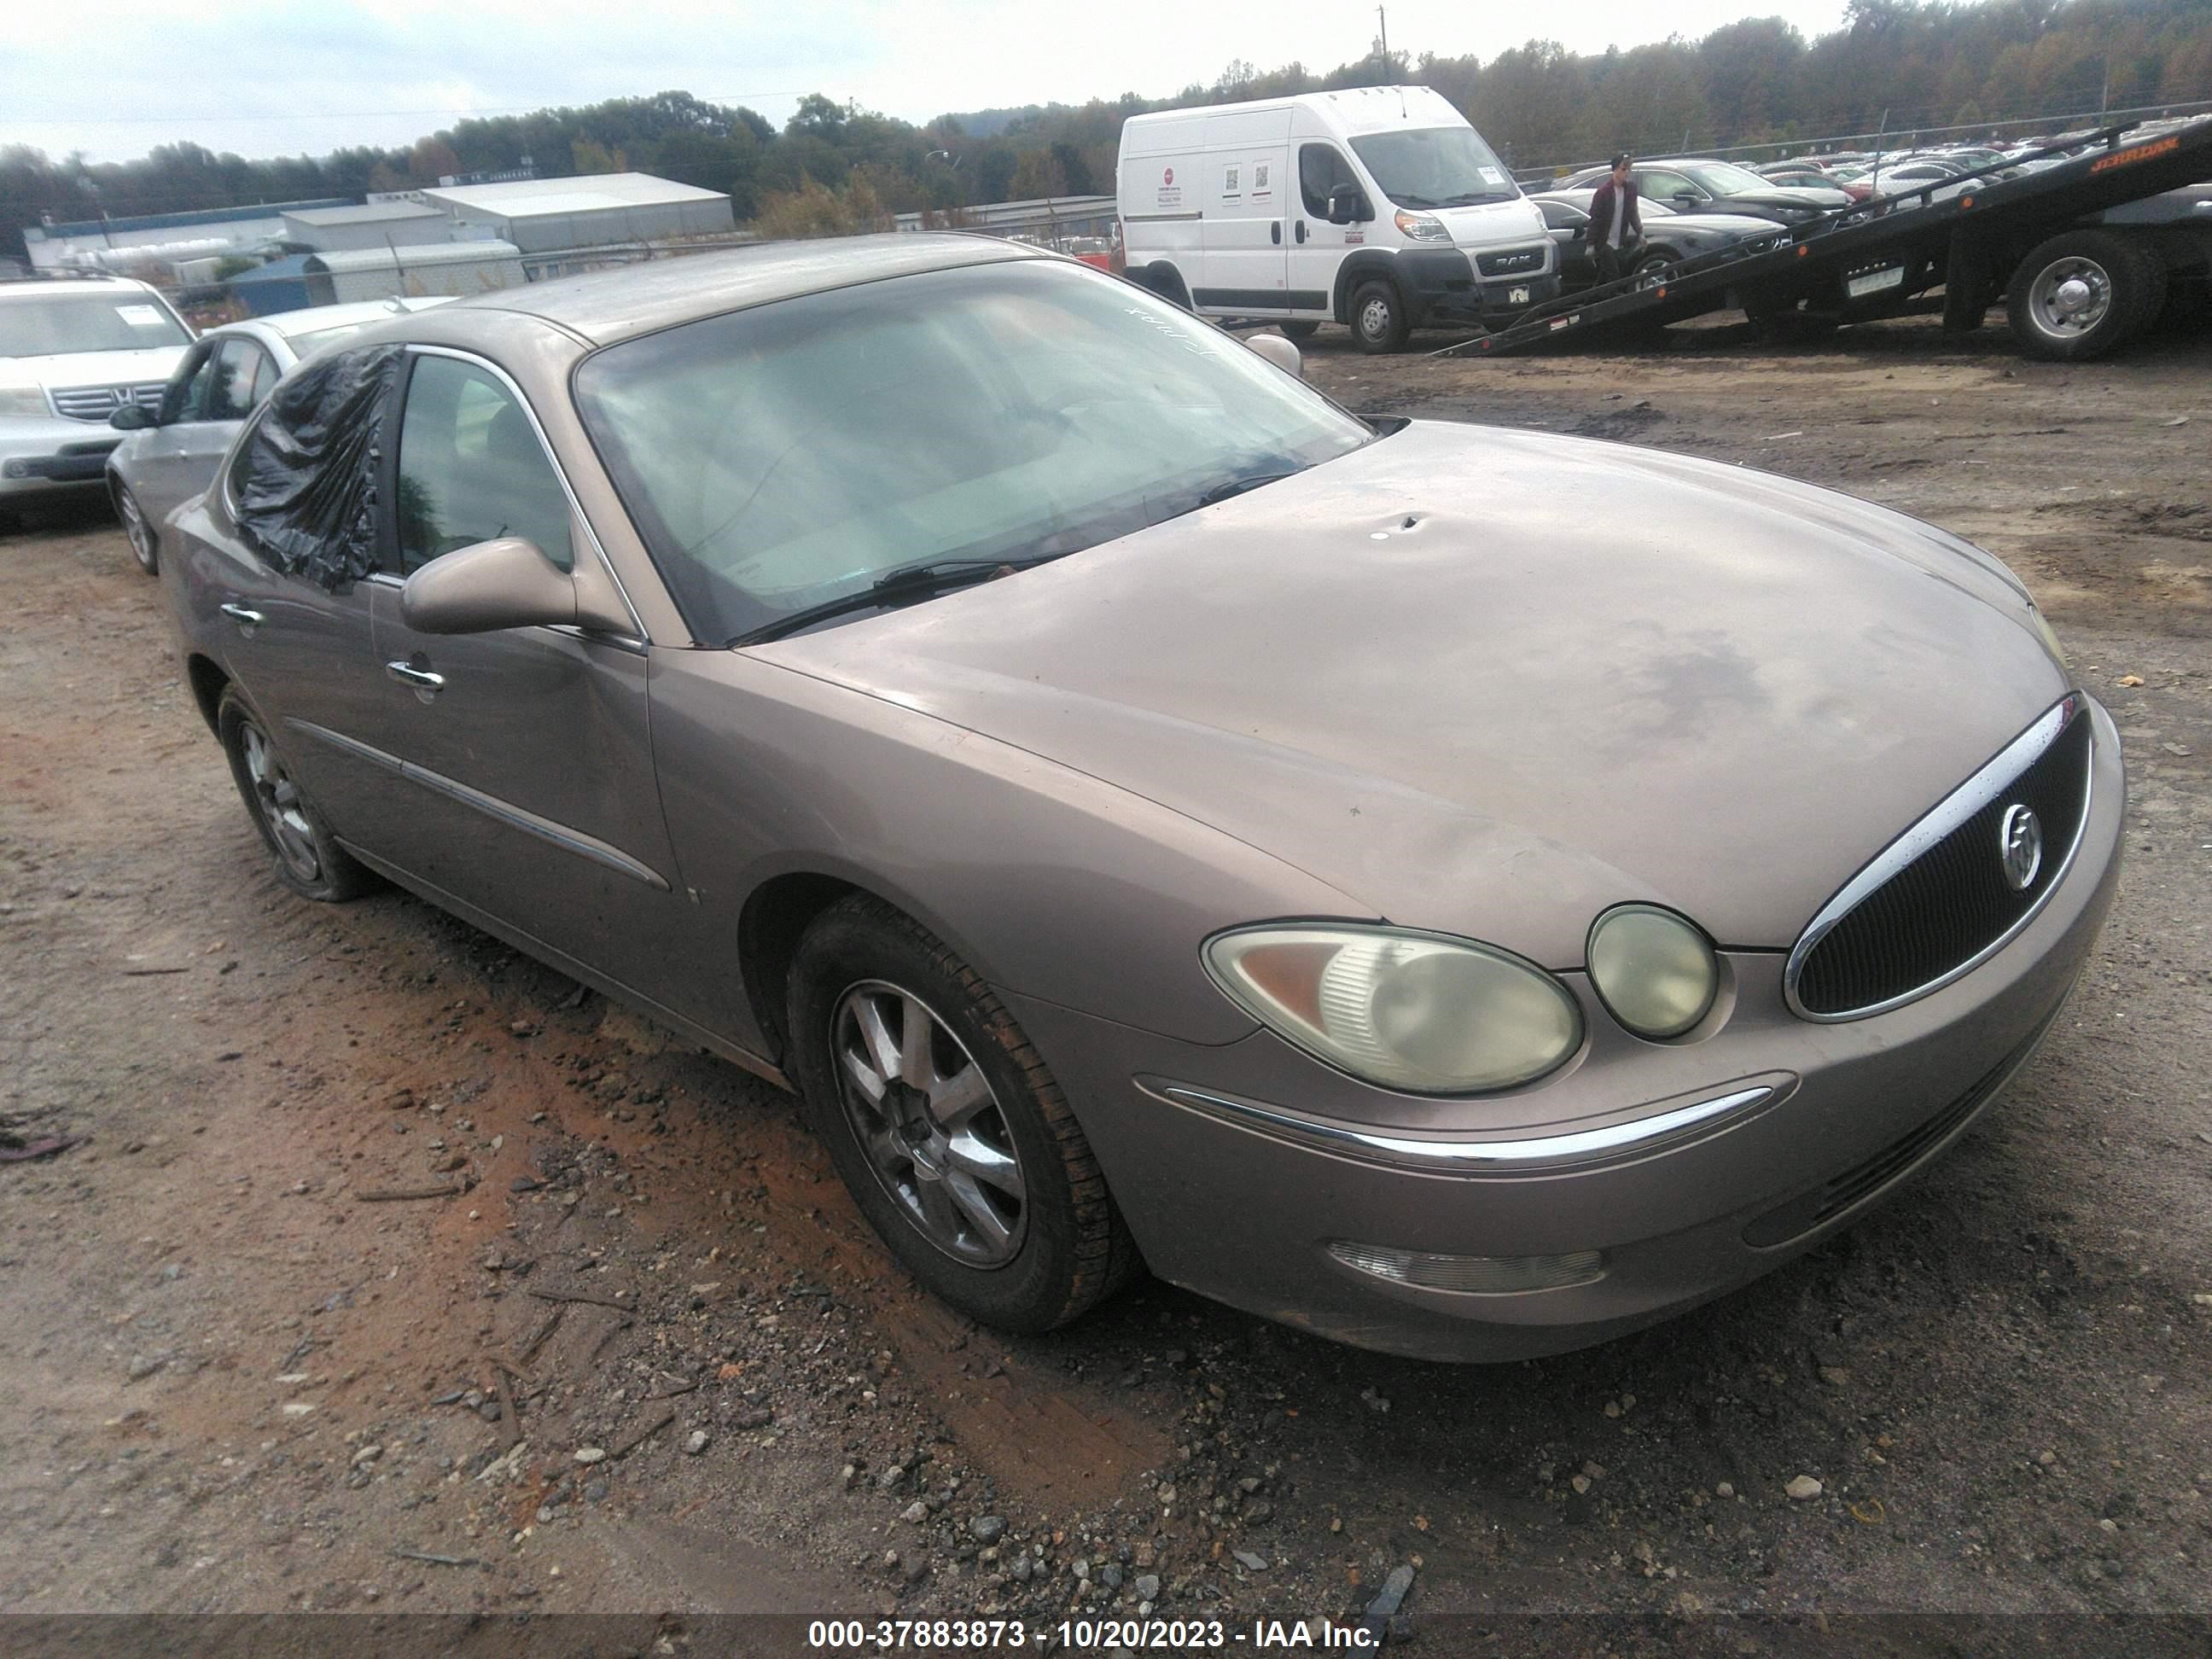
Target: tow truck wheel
x,y
1378,317
2082,294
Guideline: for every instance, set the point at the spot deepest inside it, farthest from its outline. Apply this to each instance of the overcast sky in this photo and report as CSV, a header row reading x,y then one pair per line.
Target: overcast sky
x,y
115,79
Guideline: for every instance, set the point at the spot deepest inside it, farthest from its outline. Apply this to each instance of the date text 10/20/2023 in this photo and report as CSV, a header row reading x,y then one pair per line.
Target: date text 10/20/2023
x,y
1083,1634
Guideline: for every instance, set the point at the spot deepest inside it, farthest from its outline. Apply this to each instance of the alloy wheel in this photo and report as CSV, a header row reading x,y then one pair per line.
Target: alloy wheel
x,y
135,526
929,1124
282,810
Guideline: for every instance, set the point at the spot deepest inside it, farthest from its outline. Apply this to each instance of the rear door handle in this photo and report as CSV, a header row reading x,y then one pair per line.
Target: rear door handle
x,y
427,684
245,617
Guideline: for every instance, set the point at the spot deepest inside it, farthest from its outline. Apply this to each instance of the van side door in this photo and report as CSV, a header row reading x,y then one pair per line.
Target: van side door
x,y
1247,268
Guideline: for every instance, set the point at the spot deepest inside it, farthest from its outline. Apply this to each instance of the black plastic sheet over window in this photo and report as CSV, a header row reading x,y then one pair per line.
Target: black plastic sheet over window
x,y
306,492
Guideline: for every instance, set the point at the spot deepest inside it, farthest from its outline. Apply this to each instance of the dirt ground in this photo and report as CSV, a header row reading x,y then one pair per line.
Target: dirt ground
x,y
243,1377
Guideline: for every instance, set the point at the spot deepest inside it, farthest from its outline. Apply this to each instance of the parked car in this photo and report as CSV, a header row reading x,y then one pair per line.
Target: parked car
x,y
169,453
1376,207
72,351
1703,187
1799,175
1669,237
1463,891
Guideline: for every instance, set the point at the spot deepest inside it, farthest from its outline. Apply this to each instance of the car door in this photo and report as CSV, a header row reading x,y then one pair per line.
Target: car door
x,y
525,752
301,653
1316,246
242,376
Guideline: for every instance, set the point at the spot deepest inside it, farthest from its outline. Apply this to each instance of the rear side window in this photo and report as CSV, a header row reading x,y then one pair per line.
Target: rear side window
x,y
1321,168
471,469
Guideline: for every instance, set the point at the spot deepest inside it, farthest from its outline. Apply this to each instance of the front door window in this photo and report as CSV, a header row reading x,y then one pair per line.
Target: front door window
x,y
472,468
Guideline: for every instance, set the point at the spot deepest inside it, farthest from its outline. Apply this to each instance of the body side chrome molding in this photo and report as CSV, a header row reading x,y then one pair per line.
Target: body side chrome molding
x,y
560,835
1535,1154
1954,810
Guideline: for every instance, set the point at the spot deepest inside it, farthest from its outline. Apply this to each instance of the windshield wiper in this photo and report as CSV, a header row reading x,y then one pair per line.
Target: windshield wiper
x,y
912,582
1414,201
1469,197
1244,481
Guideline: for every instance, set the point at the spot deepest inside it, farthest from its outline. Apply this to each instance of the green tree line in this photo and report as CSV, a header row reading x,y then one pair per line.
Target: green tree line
x,y
836,166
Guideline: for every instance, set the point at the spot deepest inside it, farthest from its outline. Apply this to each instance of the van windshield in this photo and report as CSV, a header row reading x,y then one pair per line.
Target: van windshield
x,y
1435,166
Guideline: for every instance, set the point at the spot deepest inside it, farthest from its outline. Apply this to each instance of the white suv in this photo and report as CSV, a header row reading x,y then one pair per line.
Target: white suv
x,y
72,352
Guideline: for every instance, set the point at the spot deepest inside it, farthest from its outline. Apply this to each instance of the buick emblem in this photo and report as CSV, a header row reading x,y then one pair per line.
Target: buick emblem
x,y
2020,847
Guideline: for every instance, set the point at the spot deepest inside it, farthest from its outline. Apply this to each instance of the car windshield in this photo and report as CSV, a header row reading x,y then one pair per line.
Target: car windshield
x,y
783,457
49,325
1435,166
1724,177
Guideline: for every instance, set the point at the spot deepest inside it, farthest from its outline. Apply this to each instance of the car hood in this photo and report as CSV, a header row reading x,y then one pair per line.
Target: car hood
x,y
1486,224
1731,225
92,368
1489,682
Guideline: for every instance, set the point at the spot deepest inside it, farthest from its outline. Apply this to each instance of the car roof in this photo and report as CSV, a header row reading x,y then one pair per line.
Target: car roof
x,y
615,305
47,289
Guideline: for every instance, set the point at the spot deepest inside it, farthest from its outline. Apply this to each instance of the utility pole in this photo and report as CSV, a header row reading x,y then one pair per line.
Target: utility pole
x,y
1383,22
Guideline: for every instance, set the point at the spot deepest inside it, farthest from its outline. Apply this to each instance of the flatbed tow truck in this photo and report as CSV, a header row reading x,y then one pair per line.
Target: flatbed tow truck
x,y
2085,254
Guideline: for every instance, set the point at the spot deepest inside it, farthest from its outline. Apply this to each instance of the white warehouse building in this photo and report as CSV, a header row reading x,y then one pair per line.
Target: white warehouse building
x,y
542,214
378,273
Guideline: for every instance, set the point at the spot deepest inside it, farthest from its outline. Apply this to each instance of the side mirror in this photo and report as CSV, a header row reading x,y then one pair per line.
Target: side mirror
x,y
1279,351
507,583
1687,198
131,418
1345,206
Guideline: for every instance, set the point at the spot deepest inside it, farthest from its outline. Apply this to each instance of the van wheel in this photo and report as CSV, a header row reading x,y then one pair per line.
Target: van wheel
x,y
1298,331
1378,317
2082,294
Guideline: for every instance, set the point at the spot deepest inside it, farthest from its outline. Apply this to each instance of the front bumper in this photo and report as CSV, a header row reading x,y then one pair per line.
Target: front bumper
x,y
53,457
1827,1120
1444,285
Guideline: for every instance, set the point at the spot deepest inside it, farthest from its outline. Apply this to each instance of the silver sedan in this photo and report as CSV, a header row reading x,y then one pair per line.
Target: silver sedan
x,y
1463,891
170,453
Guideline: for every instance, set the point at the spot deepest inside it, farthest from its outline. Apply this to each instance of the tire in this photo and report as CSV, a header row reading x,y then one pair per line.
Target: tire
x,y
1378,317
144,544
1299,329
1030,1257
307,856
2083,295
1164,280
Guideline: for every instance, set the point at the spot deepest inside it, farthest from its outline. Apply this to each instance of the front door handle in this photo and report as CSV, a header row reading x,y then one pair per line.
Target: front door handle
x,y
1276,232
427,684
1301,230
245,617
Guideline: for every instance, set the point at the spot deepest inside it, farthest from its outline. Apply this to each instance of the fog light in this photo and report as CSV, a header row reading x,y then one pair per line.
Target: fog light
x,y
1476,1275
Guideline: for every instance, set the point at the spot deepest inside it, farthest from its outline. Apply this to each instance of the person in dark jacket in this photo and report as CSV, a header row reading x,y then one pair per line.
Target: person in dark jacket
x,y
1616,226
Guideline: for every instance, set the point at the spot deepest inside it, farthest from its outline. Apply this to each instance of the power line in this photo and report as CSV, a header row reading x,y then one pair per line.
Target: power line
x,y
225,118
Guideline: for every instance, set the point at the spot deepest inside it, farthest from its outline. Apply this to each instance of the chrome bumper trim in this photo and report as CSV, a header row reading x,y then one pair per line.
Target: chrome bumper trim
x,y
1531,1155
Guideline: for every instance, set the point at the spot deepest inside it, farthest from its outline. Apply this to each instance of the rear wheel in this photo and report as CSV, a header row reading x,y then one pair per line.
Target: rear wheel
x,y
308,858
143,542
954,1139
1378,317
2083,295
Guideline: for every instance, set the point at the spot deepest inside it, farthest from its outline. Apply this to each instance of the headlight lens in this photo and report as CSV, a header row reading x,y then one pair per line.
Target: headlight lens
x,y
23,400
1421,226
1655,972
1408,1010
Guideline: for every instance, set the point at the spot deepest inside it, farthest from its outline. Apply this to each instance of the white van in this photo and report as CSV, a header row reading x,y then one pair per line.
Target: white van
x,y
1379,207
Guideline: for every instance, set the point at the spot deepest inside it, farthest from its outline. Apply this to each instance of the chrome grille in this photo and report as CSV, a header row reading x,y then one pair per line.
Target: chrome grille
x,y
97,403
1937,902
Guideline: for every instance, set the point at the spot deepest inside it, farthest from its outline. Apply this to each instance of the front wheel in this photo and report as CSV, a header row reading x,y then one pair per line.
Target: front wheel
x,y
308,858
952,1137
1298,330
1378,317
143,542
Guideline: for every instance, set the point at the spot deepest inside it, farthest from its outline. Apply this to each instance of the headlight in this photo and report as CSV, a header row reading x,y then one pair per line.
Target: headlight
x,y
2049,639
1421,228
1408,1011
1655,972
23,400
